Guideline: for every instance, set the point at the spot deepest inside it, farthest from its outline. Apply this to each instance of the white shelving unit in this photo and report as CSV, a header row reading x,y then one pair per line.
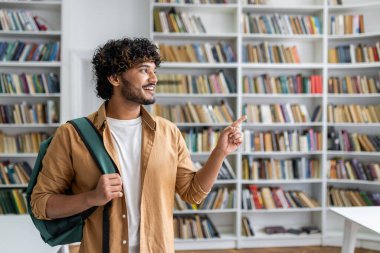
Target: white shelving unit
x,y
19,228
223,22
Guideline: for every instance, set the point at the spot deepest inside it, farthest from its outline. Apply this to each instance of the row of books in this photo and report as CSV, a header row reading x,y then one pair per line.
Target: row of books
x,y
264,84
353,170
218,198
196,113
180,204
28,51
177,22
28,83
265,53
281,113
245,2
193,1
275,197
286,141
200,140
352,197
220,52
225,172
354,85
342,140
281,24
257,2
216,83
14,173
21,143
12,202
40,113
293,84
221,82
354,54
353,113
194,227
346,24
286,169
21,20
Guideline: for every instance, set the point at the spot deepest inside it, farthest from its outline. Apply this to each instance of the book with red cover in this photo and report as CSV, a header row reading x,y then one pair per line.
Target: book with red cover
x,y
253,189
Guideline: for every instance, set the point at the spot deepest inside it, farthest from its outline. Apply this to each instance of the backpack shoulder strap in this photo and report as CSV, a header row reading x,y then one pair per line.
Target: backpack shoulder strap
x,y
94,143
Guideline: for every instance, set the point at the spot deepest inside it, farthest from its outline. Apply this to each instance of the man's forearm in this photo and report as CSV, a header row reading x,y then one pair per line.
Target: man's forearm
x,y
109,187
60,205
229,140
208,174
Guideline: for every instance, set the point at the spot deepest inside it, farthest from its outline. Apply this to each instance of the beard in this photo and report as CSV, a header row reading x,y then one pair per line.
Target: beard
x,y
136,95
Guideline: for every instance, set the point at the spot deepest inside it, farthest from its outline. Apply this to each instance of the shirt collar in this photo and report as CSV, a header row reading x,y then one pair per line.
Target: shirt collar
x,y
145,115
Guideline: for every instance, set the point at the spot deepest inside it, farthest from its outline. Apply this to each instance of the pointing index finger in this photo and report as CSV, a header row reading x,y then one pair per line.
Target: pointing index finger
x,y
238,122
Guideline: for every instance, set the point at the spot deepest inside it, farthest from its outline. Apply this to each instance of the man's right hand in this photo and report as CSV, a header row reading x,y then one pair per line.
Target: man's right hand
x,y
61,205
109,187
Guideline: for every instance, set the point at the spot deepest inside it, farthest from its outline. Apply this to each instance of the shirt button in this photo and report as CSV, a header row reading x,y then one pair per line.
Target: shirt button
x,y
124,241
124,216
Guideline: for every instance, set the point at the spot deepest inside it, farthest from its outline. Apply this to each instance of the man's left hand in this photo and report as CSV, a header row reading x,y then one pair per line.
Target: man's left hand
x,y
231,137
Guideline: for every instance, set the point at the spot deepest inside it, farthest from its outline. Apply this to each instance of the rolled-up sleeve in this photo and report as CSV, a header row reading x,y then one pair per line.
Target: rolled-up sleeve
x,y
187,184
56,174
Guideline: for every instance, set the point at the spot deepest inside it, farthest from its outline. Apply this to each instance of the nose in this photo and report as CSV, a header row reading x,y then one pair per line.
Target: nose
x,y
153,78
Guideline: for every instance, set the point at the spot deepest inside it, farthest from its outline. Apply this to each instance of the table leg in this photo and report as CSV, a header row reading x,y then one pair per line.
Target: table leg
x,y
349,236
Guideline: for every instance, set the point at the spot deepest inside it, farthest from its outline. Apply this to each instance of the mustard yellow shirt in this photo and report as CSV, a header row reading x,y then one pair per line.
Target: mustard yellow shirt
x,y
166,168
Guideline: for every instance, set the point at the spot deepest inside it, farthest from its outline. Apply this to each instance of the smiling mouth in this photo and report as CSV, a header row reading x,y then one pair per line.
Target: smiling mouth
x,y
150,88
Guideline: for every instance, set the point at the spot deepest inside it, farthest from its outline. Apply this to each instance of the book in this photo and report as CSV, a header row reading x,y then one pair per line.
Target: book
x,y
274,230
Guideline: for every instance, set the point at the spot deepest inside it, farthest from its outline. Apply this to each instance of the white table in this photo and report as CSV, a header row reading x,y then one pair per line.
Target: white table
x,y
368,217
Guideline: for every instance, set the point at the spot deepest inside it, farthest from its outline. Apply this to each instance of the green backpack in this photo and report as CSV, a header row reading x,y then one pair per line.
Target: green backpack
x,y
68,230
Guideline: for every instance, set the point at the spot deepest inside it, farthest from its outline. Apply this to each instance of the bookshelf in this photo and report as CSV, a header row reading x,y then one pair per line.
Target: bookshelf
x,y
30,91
225,22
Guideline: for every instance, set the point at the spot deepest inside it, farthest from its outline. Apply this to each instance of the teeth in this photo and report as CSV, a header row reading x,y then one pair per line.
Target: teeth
x,y
149,88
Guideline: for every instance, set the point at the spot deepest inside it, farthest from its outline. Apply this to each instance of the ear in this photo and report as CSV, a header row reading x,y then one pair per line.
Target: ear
x,y
114,80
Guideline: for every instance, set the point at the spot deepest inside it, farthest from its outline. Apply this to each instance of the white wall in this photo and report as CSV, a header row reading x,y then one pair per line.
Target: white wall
x,y
87,24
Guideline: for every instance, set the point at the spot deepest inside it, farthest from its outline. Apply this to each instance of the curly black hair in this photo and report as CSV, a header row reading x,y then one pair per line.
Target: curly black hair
x,y
117,56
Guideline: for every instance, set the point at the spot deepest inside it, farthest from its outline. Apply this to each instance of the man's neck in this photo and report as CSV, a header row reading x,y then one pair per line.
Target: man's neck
x,y
122,109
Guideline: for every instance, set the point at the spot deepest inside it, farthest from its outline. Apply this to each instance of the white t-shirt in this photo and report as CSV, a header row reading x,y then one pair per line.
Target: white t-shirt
x,y
126,135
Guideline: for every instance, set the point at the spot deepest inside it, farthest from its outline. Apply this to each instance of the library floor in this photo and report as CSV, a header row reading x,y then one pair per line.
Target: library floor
x,y
75,249
283,250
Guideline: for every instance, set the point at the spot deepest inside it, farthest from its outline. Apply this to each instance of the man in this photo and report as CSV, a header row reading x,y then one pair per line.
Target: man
x,y
150,154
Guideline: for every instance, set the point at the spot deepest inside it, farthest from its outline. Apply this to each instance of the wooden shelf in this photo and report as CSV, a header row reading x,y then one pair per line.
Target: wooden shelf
x,y
225,36
37,95
30,125
282,181
282,37
37,64
188,96
282,210
281,66
198,65
50,5
352,7
354,36
39,34
299,9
